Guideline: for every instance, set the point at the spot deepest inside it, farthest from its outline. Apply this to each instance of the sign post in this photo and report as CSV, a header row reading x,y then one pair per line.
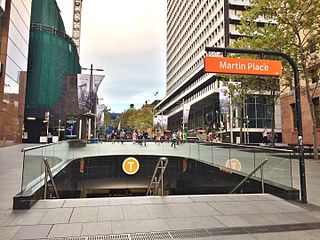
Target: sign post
x,y
264,68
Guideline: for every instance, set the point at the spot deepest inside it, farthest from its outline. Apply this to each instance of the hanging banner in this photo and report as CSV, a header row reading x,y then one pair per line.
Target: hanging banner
x,y
186,110
224,99
87,90
161,120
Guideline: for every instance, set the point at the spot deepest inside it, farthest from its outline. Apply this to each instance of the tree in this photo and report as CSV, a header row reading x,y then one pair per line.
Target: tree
x,y
293,27
141,119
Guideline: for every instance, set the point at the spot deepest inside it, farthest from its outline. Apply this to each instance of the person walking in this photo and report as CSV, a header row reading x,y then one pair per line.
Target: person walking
x,y
144,138
173,139
122,136
265,136
134,137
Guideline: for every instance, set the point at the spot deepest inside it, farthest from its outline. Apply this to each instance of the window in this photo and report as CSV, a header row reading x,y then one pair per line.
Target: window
x,y
316,106
294,116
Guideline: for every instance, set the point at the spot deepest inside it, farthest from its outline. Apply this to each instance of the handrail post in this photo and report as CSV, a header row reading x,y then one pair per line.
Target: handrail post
x,y
262,179
248,176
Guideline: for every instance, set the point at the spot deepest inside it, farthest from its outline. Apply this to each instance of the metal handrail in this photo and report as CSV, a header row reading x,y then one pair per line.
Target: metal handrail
x,y
161,164
260,166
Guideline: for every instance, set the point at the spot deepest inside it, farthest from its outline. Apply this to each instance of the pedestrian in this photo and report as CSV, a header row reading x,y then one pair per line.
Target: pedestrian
x,y
113,137
134,136
158,137
122,136
173,139
265,136
144,138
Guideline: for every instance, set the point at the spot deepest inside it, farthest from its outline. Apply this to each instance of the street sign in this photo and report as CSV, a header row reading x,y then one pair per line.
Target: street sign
x,y
130,166
242,66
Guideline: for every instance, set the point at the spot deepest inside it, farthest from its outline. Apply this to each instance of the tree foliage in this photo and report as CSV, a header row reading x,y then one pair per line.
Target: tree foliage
x,y
292,27
141,119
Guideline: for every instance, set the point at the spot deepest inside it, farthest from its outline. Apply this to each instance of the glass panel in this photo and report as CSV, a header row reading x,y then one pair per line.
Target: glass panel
x,y
278,169
32,168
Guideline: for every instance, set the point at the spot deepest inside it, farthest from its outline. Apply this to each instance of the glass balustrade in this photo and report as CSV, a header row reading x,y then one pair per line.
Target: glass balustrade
x,y
59,155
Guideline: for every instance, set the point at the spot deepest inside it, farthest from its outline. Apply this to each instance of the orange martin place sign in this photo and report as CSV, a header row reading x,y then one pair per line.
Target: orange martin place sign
x,y
243,66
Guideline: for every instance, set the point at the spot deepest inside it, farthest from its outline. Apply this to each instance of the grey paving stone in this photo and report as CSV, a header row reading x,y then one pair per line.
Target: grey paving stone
x,y
6,217
235,237
57,215
232,221
256,219
33,232
28,217
8,232
140,200
302,217
158,211
74,203
96,228
296,235
249,207
225,208
95,202
106,213
154,225
135,212
84,214
267,206
288,207
314,233
203,209
126,226
52,203
203,198
194,223
120,201
66,230
280,218
171,199
181,210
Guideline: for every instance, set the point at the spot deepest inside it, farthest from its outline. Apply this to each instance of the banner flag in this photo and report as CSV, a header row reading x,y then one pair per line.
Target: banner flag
x,y
161,120
186,110
86,95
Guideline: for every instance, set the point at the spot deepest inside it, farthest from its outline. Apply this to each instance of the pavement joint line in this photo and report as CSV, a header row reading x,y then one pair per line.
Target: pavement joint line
x,y
201,232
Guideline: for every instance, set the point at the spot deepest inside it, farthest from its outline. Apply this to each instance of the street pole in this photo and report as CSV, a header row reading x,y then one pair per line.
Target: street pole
x,y
59,129
47,116
183,117
95,100
294,66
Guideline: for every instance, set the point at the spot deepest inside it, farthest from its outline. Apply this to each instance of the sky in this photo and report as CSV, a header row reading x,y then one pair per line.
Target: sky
x,y
127,39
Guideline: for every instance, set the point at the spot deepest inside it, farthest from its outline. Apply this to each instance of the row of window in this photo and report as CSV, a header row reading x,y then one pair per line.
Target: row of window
x,y
199,55
187,44
193,30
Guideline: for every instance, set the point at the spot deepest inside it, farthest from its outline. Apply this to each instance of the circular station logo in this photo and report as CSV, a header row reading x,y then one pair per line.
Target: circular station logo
x,y
130,165
233,164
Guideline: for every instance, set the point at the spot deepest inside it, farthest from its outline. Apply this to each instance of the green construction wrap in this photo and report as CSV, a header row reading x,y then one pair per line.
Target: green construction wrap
x,y
51,56
46,12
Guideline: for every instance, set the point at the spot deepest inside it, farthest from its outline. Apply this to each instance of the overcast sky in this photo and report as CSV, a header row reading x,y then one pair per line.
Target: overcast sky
x,y
126,38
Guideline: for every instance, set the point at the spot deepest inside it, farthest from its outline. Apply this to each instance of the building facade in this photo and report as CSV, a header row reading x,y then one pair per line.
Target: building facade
x,y
52,74
289,127
192,26
14,27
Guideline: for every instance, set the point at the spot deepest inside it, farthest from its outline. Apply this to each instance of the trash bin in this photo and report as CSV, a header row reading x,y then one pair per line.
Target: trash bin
x,y
95,140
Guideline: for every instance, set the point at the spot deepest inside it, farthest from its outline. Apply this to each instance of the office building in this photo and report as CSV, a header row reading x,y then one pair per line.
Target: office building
x,y
14,27
191,26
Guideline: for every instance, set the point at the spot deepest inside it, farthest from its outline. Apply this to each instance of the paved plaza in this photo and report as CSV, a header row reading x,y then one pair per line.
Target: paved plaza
x,y
245,216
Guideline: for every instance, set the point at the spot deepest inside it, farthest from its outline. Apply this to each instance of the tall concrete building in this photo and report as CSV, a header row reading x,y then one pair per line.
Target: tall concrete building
x,y
192,26
14,41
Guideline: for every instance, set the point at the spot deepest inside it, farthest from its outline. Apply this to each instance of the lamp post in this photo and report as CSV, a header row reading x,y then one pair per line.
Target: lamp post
x,y
92,94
